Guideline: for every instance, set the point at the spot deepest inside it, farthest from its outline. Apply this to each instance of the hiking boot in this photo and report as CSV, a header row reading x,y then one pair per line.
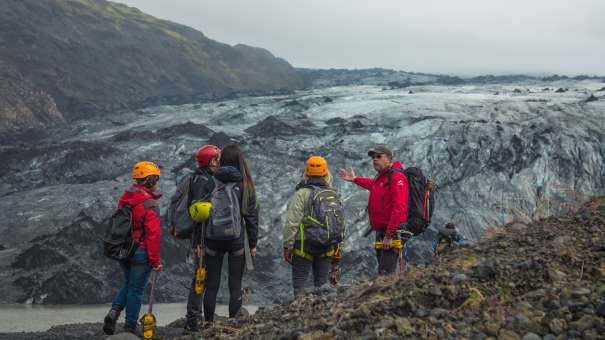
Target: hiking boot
x,y
191,326
131,328
109,323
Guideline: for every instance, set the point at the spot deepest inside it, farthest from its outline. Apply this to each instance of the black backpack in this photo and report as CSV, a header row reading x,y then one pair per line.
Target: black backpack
x,y
420,200
323,224
118,243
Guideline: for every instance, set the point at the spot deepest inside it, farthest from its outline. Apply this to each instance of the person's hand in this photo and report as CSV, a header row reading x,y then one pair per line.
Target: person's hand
x,y
347,175
158,268
253,252
386,243
199,251
288,255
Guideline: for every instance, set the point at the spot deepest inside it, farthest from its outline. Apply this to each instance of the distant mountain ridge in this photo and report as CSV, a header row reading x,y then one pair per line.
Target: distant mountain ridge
x,y
399,79
97,57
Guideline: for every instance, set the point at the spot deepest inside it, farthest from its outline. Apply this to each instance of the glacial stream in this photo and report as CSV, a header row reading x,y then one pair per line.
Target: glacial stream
x,y
39,318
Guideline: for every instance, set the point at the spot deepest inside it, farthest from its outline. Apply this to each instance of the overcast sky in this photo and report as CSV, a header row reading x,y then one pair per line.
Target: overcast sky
x,y
463,37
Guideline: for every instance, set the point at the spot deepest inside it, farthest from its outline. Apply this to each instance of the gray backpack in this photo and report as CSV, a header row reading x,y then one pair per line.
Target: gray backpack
x,y
180,223
226,218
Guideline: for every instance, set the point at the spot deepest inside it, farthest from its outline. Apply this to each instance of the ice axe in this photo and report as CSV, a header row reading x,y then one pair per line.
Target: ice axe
x,y
334,275
200,273
148,320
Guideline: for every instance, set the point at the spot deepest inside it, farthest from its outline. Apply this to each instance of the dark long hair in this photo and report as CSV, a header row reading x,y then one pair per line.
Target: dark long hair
x,y
232,155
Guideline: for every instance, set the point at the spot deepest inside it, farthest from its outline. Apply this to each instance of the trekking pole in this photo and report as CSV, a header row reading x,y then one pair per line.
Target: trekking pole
x,y
401,264
404,235
148,320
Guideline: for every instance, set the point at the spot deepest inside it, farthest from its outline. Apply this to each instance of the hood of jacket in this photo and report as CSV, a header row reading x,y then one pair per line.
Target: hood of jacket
x,y
312,181
136,194
227,174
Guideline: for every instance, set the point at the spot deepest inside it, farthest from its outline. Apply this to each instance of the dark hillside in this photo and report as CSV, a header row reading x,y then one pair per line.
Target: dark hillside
x,y
98,57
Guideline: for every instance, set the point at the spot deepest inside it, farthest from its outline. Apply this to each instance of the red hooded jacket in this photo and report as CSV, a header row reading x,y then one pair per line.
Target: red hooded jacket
x,y
144,204
388,204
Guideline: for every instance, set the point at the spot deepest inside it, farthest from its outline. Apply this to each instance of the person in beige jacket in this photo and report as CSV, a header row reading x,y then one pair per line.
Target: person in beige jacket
x,y
308,244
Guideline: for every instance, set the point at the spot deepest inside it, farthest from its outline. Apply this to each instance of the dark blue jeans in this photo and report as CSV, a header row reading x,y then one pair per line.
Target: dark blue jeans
x,y
136,274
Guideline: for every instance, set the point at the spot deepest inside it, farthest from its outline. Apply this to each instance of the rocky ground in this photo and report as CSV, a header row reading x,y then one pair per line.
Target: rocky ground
x,y
542,280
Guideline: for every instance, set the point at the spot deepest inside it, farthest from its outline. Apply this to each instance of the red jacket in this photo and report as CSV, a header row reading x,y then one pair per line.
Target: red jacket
x,y
387,205
135,197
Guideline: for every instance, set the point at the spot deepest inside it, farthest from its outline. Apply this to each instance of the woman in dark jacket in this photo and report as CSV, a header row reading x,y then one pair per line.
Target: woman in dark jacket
x,y
234,169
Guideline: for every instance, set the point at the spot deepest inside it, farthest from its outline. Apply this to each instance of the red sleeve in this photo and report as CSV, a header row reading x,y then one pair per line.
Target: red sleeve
x,y
364,182
152,236
399,196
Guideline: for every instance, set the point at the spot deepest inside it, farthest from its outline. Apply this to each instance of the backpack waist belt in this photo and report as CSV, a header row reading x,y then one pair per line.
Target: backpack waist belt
x,y
299,253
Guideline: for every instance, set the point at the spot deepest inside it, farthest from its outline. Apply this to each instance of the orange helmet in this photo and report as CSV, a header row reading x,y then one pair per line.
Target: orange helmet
x,y
316,166
144,169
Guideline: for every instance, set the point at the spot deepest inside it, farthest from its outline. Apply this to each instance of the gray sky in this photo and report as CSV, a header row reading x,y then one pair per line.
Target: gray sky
x,y
464,37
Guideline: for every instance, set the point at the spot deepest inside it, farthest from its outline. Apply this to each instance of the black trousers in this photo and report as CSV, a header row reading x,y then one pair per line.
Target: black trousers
x,y
301,267
214,263
387,259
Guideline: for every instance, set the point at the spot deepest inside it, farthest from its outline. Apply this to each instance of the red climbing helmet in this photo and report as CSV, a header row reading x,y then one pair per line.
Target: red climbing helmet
x,y
206,153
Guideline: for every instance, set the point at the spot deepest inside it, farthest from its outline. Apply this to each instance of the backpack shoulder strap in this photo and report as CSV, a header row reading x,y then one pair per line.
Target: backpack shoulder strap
x,y
309,201
391,172
151,203
217,185
148,203
196,177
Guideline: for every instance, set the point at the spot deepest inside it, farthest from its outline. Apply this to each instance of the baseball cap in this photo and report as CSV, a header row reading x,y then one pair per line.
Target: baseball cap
x,y
380,149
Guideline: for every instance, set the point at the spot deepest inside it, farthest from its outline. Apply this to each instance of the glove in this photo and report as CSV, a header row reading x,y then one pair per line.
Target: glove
x,y
288,255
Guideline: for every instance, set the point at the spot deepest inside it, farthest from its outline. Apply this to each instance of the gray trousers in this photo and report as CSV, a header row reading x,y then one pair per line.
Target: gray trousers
x,y
387,259
301,268
194,303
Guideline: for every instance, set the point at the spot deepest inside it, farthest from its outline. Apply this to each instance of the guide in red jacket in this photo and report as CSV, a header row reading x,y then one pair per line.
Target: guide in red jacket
x,y
387,204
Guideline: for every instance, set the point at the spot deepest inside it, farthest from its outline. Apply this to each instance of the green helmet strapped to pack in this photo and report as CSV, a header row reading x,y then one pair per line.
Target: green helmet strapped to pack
x,y
200,211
